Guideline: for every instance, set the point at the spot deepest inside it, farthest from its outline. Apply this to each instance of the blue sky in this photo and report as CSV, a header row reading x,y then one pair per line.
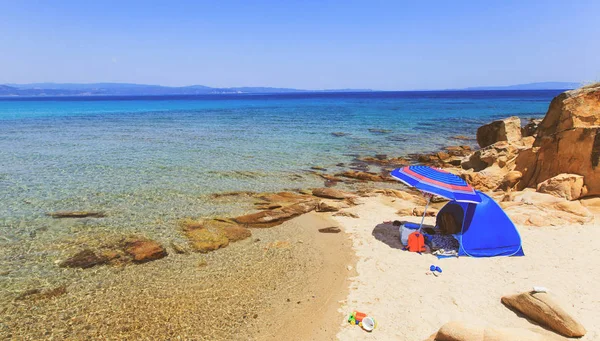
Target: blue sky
x,y
388,45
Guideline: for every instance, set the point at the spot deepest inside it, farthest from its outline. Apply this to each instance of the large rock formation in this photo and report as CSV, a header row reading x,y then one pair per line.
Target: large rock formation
x,y
568,141
508,129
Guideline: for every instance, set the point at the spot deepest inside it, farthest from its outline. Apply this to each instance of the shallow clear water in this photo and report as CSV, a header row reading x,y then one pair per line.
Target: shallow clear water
x,y
144,159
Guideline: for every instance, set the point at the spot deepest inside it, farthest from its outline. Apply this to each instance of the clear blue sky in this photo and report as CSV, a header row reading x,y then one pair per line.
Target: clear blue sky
x,y
390,45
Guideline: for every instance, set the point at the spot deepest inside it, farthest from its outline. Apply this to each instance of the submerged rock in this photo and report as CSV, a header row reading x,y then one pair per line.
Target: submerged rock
x,y
38,294
379,131
84,259
76,214
144,250
339,134
204,240
277,216
212,234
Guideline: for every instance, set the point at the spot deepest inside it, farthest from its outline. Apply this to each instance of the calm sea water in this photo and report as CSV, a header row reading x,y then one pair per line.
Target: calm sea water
x,y
147,161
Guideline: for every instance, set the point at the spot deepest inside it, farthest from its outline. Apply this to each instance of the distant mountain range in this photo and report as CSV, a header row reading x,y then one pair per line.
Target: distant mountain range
x,y
531,86
127,89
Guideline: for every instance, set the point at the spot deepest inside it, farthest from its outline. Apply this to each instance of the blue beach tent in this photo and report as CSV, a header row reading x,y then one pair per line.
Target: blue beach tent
x,y
486,230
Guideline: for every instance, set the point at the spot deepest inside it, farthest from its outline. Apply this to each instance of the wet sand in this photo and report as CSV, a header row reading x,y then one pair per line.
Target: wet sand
x,y
282,283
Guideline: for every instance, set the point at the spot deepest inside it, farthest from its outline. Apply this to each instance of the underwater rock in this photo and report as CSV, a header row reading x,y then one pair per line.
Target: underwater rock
x,y
339,134
277,216
379,131
235,233
144,250
38,294
76,214
84,259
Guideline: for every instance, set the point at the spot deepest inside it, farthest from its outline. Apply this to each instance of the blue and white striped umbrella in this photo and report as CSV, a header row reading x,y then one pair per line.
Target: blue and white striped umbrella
x,y
438,182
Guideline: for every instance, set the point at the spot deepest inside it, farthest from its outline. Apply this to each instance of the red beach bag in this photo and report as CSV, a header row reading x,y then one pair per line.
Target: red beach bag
x,y
416,242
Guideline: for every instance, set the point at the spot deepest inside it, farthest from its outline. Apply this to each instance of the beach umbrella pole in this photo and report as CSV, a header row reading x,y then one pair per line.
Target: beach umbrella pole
x,y
424,212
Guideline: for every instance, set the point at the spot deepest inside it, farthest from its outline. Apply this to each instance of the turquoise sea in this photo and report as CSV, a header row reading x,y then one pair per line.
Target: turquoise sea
x,y
147,161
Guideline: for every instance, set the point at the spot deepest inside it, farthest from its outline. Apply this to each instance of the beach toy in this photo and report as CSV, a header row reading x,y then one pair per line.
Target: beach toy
x,y
356,317
368,323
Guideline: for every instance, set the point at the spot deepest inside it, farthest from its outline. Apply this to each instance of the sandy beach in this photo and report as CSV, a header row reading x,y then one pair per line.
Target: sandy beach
x,y
409,304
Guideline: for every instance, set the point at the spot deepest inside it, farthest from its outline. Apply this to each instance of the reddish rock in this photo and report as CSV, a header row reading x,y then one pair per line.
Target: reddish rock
x,y
144,250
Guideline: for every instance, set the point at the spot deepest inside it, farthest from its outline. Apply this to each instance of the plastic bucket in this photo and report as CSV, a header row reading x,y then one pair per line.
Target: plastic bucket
x,y
368,323
405,230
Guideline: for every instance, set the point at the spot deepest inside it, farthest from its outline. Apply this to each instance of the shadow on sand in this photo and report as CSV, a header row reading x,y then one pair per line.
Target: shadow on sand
x,y
389,234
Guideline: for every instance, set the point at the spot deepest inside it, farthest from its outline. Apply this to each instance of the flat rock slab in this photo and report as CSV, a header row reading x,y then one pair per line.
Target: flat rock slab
x,y
541,308
331,193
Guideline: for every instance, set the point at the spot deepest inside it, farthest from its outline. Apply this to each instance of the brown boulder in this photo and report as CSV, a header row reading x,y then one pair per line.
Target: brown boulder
x,y
568,186
500,153
568,141
541,308
84,259
331,193
144,250
508,129
277,216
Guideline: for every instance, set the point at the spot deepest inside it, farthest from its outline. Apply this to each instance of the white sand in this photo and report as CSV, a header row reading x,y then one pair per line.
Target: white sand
x,y
408,304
